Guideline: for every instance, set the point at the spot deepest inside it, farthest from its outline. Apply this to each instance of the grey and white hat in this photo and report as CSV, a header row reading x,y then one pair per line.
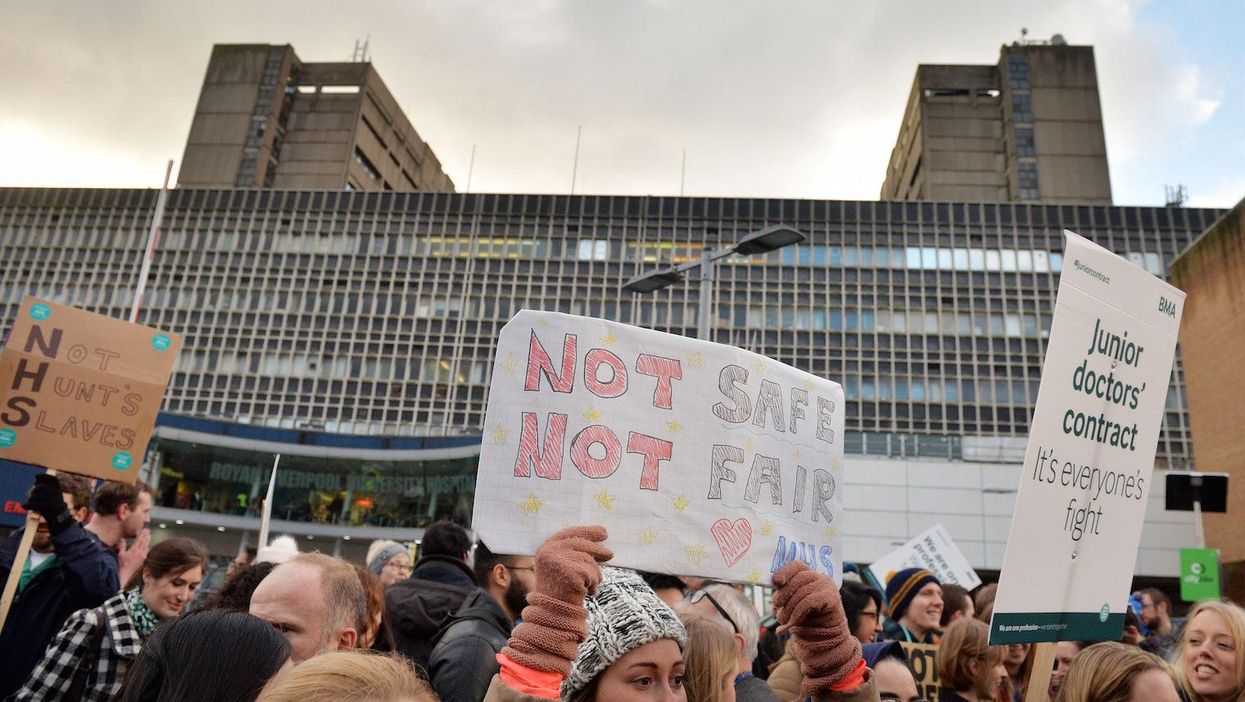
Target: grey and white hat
x,y
623,615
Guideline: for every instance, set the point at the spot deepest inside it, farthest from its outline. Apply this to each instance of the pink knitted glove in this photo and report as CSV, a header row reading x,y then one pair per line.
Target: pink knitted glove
x,y
808,605
555,621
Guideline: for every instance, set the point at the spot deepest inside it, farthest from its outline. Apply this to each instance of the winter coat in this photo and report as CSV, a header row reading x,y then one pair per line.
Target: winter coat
x,y
416,608
83,575
464,654
754,689
785,677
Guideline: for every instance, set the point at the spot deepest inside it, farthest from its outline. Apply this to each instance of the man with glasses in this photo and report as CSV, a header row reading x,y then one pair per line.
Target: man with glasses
x,y
1156,616
729,604
464,652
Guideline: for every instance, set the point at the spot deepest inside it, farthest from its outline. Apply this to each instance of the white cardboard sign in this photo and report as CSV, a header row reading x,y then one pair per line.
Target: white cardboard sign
x,y
934,551
1086,477
699,458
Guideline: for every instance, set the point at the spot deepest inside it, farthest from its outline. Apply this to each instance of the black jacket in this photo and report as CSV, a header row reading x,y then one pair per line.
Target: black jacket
x,y
416,608
464,652
83,575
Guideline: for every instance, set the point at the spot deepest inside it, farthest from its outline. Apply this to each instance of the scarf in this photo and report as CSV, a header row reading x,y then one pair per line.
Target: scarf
x,y
145,620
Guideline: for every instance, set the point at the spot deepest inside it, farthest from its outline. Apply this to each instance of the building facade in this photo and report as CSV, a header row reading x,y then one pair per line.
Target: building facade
x,y
375,315
1028,129
266,119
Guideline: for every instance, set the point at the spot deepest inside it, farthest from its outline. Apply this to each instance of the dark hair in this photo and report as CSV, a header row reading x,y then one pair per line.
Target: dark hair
x,y
445,538
1157,596
174,555
485,560
77,487
112,495
954,599
855,597
236,593
661,581
214,655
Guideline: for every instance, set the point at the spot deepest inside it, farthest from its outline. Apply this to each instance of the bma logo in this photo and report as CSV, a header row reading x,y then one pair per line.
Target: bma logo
x,y
1167,307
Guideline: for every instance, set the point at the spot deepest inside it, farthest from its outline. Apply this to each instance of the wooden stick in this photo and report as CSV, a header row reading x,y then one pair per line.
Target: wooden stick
x,y
1039,674
19,562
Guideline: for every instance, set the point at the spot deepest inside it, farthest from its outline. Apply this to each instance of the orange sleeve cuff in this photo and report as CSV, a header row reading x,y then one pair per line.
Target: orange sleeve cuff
x,y
854,680
537,683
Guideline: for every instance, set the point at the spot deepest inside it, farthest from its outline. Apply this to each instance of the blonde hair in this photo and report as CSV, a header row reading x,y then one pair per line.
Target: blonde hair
x,y
349,676
710,654
1234,616
1105,673
964,641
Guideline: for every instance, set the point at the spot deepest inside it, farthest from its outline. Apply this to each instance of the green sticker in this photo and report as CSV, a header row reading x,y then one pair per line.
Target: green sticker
x,y
161,342
122,461
40,311
1104,613
8,437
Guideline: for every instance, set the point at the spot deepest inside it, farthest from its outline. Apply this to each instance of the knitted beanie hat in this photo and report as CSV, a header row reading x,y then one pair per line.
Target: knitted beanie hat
x,y
902,587
623,615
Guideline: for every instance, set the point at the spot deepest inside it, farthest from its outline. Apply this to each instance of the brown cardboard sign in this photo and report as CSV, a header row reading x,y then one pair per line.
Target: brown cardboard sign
x,y
923,660
79,391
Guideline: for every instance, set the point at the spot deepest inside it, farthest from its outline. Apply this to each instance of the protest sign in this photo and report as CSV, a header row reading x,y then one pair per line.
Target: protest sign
x,y
923,660
1087,470
932,550
79,392
700,459
1199,574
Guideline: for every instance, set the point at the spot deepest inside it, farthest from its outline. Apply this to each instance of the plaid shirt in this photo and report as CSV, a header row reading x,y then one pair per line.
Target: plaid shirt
x,y
53,676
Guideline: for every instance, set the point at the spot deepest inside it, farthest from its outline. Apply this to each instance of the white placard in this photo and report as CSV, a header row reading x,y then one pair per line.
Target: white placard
x,y
934,551
1086,478
699,458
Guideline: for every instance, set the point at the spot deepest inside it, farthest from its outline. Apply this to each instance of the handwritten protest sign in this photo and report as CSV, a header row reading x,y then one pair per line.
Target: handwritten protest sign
x,y
700,459
923,660
934,551
79,392
1087,471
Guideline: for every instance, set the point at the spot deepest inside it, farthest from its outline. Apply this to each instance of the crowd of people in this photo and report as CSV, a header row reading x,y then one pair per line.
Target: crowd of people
x,y
101,614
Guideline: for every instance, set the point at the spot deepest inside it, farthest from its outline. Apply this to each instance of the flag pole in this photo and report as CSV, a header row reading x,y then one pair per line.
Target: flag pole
x,y
265,518
152,235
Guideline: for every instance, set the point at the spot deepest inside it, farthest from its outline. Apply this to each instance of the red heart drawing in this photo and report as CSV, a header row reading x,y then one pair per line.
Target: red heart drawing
x,y
734,539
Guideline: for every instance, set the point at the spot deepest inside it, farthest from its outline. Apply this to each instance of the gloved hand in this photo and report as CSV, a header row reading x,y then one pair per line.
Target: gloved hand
x,y
808,605
555,621
46,500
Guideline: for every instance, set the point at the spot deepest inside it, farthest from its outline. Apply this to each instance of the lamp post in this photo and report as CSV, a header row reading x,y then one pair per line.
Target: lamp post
x,y
762,241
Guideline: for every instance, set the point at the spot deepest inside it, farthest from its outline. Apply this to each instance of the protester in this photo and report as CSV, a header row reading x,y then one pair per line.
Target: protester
x,y
710,659
236,592
863,607
374,596
389,560
956,603
1065,653
969,669
1116,672
67,570
891,672
1210,653
725,602
1156,616
914,598
416,608
669,588
464,653
206,656
1019,664
88,658
123,512
316,601
983,601
355,676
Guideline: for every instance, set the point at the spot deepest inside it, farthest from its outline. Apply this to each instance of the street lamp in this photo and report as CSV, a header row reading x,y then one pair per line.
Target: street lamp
x,y
762,241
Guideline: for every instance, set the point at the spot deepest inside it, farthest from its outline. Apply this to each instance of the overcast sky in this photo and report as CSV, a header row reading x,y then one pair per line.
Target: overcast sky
x,y
768,98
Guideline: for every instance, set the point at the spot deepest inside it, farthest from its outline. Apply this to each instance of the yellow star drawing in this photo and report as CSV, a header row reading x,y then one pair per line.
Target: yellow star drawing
x,y
749,445
531,506
696,361
754,577
797,454
648,536
543,321
766,528
592,415
674,427
831,532
609,338
500,434
696,554
681,503
510,364
808,384
605,500
759,368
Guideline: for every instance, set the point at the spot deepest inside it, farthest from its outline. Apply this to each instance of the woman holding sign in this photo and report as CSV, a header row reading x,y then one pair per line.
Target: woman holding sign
x,y
89,656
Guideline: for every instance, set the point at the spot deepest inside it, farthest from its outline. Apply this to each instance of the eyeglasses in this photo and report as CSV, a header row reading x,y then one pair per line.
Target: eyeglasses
x,y
400,567
510,567
870,614
699,595
892,697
